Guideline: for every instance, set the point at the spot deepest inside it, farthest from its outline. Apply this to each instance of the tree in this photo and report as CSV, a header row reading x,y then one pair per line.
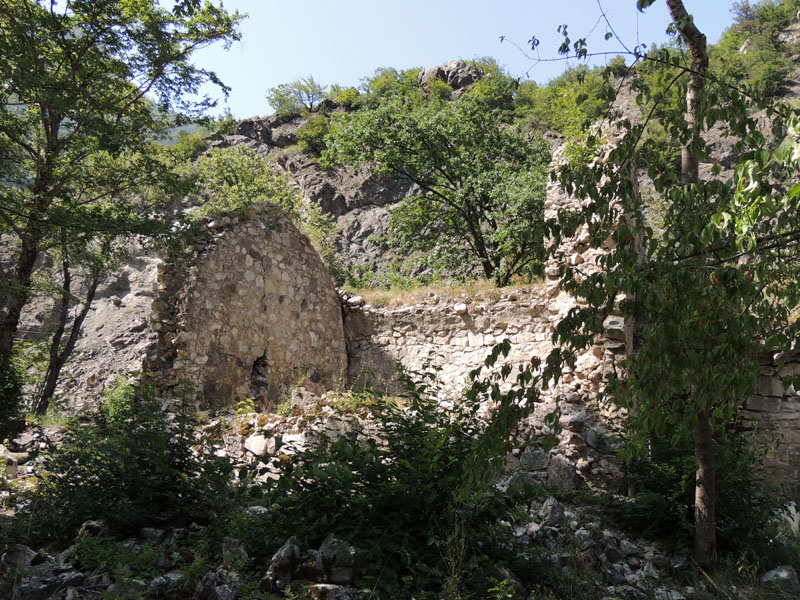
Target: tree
x,y
483,186
293,98
715,289
87,88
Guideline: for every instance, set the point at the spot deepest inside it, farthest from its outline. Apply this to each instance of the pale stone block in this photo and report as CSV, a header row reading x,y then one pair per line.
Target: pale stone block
x,y
770,386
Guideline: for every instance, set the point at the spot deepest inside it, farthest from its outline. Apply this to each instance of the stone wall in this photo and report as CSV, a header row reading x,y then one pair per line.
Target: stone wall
x,y
775,410
249,312
462,332
457,335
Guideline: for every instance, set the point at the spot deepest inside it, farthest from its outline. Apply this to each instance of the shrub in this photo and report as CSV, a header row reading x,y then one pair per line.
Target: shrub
x,y
752,50
747,504
311,134
234,179
297,97
390,84
101,554
617,66
346,97
415,497
134,466
496,88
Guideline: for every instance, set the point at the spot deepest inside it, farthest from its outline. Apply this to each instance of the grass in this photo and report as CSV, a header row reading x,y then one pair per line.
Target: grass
x,y
478,289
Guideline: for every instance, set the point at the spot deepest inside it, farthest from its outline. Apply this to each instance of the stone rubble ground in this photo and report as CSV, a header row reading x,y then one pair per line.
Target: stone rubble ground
x,y
572,538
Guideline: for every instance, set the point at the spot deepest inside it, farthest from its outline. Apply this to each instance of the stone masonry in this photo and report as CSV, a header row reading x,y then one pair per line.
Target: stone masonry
x,y
457,336
775,409
249,312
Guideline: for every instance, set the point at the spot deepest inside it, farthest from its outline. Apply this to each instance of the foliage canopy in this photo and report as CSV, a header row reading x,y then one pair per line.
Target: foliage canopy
x,y
482,185
296,97
716,288
87,88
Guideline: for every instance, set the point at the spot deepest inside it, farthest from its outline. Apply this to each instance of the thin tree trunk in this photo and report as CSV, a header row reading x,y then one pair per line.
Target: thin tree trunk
x,y
705,538
57,363
48,388
60,354
698,54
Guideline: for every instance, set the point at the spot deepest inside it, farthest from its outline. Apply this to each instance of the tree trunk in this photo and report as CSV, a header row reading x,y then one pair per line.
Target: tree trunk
x,y
18,294
58,362
705,538
59,354
698,53
705,535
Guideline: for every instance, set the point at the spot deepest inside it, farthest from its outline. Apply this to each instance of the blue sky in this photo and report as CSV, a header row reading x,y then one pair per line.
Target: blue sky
x,y
342,41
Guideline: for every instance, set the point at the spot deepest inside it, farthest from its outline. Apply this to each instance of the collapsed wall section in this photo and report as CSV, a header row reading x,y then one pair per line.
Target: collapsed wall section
x,y
250,312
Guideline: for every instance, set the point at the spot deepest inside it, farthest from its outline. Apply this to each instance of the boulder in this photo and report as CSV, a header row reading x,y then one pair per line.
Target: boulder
x,y
311,567
427,75
553,512
459,74
337,553
218,585
281,567
256,444
325,591
562,474
233,551
785,578
533,459
97,528
16,559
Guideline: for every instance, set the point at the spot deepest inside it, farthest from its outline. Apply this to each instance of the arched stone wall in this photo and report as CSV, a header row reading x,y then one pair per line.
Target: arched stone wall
x,y
249,313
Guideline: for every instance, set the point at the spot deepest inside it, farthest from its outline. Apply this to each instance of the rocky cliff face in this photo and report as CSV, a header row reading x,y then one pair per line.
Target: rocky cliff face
x,y
358,202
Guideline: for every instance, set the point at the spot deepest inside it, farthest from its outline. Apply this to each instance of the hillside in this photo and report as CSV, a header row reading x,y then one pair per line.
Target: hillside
x,y
448,335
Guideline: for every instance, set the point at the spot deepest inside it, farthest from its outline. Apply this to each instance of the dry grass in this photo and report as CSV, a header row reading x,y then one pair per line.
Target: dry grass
x,y
479,289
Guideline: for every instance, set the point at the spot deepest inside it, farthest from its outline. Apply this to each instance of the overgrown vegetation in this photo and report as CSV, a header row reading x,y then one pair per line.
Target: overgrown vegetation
x,y
412,496
716,287
758,47
300,96
133,466
77,140
482,200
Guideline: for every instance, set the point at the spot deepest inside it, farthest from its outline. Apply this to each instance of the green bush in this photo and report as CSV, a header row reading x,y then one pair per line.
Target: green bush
x,y
617,66
300,96
390,84
496,89
751,50
133,466
234,179
567,104
415,498
311,134
663,506
347,97
102,554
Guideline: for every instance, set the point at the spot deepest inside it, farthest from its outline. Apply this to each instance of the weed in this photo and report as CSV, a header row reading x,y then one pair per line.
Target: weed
x,y
101,554
246,406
